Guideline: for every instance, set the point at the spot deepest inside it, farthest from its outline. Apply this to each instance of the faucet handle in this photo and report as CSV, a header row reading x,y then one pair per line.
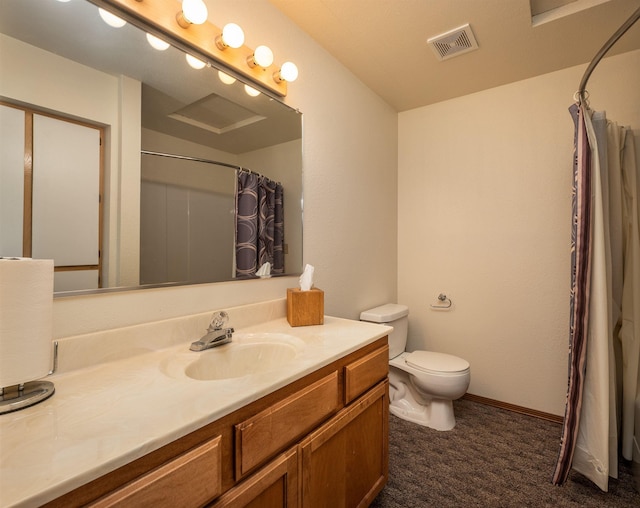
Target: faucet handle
x,y
218,320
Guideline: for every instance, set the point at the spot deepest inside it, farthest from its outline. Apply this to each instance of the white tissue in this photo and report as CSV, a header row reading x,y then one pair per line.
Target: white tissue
x,y
265,270
306,279
26,318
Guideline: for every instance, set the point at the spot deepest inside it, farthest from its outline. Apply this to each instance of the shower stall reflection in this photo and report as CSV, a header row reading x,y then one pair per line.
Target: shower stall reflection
x,y
188,220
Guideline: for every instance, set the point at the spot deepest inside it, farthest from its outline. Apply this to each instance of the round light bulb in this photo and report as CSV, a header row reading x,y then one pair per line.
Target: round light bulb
x,y
232,35
289,72
194,62
225,78
194,11
111,19
263,56
251,91
156,43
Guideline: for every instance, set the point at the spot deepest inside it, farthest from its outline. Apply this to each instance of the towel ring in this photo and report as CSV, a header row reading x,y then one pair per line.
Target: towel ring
x,y
446,302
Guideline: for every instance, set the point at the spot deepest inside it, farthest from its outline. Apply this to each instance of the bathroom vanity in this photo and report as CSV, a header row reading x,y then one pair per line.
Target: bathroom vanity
x,y
142,430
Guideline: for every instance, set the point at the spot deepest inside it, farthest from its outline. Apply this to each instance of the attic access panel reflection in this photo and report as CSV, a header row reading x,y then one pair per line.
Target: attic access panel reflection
x,y
241,125
216,114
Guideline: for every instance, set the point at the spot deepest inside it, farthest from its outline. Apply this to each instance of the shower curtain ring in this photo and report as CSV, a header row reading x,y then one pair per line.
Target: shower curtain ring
x,y
581,97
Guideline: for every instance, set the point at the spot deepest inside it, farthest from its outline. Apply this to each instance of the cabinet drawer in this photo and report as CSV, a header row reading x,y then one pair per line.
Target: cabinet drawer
x,y
191,479
270,431
362,374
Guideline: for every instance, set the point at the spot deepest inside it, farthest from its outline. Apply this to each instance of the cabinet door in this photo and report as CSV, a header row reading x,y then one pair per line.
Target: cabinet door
x,y
345,462
274,486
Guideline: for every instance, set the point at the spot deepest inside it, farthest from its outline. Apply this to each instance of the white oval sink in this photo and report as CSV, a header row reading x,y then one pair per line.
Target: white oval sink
x,y
247,354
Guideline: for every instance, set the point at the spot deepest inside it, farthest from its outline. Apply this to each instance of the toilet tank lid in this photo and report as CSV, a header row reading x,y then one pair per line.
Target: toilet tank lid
x,y
385,313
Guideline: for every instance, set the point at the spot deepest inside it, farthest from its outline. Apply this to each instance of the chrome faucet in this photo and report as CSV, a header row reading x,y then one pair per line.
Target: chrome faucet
x,y
216,335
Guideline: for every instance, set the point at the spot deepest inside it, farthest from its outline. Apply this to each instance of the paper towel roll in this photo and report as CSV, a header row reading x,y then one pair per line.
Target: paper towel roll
x,y
26,317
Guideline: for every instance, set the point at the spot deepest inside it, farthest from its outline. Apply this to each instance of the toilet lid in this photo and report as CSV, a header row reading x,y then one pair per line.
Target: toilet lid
x,y
437,362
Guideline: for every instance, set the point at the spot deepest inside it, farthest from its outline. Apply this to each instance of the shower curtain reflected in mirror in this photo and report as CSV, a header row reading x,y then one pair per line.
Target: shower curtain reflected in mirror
x,y
259,224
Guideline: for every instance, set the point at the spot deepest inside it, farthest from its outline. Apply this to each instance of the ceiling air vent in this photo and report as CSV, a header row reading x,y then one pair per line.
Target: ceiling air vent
x,y
454,42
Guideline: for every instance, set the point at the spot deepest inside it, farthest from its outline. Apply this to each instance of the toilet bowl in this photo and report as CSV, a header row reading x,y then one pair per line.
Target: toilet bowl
x,y
422,384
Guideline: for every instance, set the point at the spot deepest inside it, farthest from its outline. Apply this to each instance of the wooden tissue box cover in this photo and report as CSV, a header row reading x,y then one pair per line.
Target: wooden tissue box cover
x,y
305,308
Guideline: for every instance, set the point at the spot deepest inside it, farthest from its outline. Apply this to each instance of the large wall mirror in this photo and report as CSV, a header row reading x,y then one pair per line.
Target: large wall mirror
x,y
153,199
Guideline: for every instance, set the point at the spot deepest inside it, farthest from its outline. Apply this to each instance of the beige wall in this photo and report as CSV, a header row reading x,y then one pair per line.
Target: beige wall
x,y
484,214
350,189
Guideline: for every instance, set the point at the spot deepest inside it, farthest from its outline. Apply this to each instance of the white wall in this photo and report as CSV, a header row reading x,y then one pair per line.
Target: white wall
x,y
484,214
350,193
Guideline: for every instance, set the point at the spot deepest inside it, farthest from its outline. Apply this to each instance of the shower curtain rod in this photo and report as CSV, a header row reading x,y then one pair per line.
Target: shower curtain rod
x,y
607,46
197,159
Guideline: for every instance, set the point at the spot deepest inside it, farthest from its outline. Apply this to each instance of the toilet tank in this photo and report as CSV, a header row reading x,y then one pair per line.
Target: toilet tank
x,y
391,314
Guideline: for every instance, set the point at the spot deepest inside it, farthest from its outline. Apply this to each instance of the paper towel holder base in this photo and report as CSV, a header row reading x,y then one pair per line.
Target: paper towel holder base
x,y
14,398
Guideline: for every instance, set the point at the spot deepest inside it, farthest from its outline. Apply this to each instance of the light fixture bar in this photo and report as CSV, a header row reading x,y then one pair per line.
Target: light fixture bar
x,y
197,39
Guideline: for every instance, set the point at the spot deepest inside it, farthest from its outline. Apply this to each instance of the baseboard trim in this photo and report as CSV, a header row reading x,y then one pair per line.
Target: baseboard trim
x,y
512,407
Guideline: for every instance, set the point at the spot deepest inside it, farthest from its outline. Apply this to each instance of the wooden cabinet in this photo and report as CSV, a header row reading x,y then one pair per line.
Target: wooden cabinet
x,y
345,462
320,441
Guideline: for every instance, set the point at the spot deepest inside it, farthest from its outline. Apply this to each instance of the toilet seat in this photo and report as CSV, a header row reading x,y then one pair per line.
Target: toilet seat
x,y
436,363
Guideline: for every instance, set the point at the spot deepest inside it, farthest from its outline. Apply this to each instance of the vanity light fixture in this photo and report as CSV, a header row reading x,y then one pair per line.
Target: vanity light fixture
x,y
208,41
250,91
193,12
111,19
232,36
194,62
288,72
262,56
157,43
225,78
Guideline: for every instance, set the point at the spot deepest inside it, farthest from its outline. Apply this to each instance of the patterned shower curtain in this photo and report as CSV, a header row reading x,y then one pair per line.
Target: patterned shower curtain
x,y
259,224
605,335
579,301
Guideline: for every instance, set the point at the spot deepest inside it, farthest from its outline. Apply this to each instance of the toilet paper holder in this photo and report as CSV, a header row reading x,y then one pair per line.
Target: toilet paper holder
x,y
445,302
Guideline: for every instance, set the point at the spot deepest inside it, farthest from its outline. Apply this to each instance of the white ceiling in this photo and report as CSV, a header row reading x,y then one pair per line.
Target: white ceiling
x,y
383,42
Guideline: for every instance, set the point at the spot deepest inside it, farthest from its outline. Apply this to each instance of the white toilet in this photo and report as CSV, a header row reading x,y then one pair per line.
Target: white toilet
x,y
422,384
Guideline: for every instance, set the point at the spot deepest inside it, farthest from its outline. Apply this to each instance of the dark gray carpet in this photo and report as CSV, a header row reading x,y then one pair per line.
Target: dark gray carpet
x,y
492,458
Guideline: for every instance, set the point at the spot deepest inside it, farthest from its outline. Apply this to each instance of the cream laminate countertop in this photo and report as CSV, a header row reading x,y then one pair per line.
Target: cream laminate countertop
x,y
106,415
